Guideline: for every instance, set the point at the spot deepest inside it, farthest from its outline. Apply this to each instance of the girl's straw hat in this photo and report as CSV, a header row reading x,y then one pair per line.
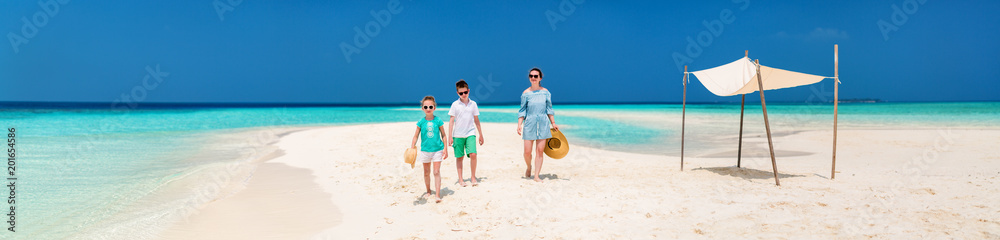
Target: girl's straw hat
x,y
410,156
556,147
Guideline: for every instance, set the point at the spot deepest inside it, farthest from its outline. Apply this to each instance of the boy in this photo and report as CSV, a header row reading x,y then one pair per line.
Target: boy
x,y
430,130
464,113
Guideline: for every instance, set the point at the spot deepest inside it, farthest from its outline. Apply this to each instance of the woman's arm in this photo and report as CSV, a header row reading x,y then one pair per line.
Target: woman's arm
x,y
522,112
549,111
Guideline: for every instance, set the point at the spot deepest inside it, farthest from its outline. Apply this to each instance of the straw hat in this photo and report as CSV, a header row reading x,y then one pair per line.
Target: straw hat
x,y
410,156
556,147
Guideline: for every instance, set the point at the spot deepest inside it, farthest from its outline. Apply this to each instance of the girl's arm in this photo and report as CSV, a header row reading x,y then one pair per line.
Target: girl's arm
x,y
415,136
443,137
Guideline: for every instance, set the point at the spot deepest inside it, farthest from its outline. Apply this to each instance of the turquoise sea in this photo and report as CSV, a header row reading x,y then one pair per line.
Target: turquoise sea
x,y
92,172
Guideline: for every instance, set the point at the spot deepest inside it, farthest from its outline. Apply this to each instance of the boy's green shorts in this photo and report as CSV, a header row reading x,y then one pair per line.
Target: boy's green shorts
x,y
464,146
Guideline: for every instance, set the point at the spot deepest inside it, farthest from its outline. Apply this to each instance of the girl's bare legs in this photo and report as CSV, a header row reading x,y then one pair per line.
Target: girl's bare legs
x,y
437,179
527,158
540,151
427,178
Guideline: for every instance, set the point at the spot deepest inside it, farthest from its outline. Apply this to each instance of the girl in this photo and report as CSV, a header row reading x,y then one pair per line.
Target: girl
x,y
430,130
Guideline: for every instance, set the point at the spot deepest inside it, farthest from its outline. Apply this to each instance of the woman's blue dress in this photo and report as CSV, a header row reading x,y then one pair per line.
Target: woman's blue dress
x,y
535,108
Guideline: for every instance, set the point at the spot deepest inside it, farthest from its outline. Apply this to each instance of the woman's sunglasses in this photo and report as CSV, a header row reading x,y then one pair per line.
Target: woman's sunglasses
x,y
534,76
429,107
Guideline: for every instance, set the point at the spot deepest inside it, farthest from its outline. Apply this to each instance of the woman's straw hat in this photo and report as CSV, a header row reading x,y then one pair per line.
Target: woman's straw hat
x,y
556,147
410,156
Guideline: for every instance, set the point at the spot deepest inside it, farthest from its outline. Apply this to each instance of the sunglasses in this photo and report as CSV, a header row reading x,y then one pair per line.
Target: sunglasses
x,y
429,107
534,76
463,93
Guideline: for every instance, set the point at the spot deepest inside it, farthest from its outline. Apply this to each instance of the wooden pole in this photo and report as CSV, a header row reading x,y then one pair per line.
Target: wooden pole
x,y
684,114
836,86
739,152
767,126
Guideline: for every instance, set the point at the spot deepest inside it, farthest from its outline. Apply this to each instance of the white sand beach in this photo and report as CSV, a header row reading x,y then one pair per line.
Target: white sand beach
x,y
349,182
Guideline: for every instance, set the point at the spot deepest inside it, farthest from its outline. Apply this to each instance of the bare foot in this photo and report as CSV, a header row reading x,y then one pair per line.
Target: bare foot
x,y
425,195
538,179
437,199
474,182
462,183
527,173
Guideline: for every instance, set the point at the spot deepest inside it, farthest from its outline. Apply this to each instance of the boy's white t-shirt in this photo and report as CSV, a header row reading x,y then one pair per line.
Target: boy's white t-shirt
x,y
465,125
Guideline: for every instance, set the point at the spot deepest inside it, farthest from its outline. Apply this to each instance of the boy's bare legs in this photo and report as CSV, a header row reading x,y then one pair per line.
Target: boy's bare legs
x,y
540,150
527,158
472,166
437,180
427,179
461,180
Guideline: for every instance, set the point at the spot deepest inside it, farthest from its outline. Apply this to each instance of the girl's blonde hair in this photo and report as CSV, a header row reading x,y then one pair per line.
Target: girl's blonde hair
x,y
428,97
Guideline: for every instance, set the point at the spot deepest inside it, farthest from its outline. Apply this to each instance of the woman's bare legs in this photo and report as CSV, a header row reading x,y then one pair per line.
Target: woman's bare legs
x,y
527,158
540,152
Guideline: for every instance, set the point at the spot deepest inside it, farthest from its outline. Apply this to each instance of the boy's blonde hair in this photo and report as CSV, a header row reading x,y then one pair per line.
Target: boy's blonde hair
x,y
428,97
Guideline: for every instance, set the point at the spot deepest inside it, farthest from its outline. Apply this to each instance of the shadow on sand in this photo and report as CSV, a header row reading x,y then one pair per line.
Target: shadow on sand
x,y
745,173
422,199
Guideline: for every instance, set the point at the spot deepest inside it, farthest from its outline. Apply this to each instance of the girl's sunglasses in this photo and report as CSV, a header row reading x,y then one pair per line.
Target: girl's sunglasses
x,y
429,107
534,76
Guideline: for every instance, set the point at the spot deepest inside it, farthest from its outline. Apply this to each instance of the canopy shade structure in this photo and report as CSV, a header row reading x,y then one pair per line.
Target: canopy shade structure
x,y
738,78
744,76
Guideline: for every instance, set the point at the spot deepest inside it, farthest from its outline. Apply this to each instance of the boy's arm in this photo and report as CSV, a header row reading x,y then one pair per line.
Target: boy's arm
x,y
443,136
415,136
451,129
480,129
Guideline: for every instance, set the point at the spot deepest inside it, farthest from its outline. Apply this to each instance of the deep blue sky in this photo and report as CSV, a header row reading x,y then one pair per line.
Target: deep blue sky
x,y
604,51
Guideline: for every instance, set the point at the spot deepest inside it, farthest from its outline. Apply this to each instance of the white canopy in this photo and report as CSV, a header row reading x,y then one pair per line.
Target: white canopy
x,y
739,77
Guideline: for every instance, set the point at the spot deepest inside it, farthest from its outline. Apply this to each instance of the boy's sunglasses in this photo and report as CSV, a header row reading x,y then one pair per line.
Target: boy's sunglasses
x,y
463,93
429,107
534,76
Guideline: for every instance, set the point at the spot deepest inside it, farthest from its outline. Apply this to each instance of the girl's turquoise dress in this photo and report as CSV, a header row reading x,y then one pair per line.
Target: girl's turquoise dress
x,y
535,108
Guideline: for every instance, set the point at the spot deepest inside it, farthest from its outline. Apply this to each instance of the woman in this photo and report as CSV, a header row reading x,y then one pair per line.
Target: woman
x,y
533,121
